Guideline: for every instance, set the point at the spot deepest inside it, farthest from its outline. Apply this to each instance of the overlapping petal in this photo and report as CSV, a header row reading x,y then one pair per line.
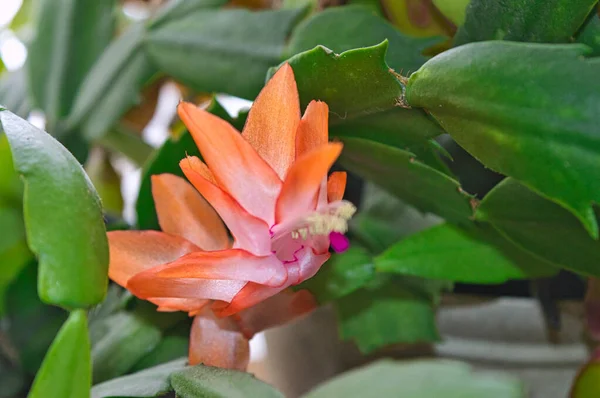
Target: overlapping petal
x,y
336,186
273,120
312,130
182,211
236,166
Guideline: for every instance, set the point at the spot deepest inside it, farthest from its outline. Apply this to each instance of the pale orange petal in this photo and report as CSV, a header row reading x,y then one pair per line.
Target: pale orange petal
x,y
218,342
273,120
248,296
312,130
194,163
336,186
147,285
132,252
250,233
236,166
171,304
301,185
234,264
276,310
183,211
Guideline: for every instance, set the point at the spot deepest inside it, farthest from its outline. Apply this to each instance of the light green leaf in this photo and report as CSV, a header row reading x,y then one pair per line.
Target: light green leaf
x,y
207,381
227,50
535,120
544,21
112,86
63,217
389,312
70,36
454,10
471,255
118,342
66,370
400,173
177,9
540,226
586,383
151,382
425,378
14,93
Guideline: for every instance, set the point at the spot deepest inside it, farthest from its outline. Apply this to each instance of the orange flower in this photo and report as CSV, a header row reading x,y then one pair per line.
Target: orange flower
x,y
269,186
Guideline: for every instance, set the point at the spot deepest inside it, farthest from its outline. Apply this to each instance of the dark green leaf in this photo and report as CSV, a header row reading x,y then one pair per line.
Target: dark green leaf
x,y
31,325
70,36
541,227
399,173
147,383
387,313
129,144
543,21
425,378
14,93
224,50
473,255
341,275
63,217
590,34
346,28
66,370
169,348
166,160
118,342
536,120
206,381
14,252
112,86
383,219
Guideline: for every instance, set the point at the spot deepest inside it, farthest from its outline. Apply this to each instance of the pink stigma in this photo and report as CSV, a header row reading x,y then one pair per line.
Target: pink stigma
x,y
339,242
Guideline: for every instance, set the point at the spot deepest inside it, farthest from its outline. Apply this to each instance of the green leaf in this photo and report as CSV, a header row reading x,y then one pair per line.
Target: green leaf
x,y
590,35
63,217
70,36
169,348
11,187
113,85
387,313
14,93
227,50
166,160
66,370
151,382
474,255
207,381
31,325
118,342
350,27
543,21
400,173
425,378
341,275
535,120
586,381
14,252
128,144
540,226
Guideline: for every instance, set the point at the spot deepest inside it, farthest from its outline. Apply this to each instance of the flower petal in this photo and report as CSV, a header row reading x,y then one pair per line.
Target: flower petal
x,y
236,166
313,128
132,252
336,186
233,264
183,211
303,181
273,120
274,311
147,285
218,342
171,304
250,233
